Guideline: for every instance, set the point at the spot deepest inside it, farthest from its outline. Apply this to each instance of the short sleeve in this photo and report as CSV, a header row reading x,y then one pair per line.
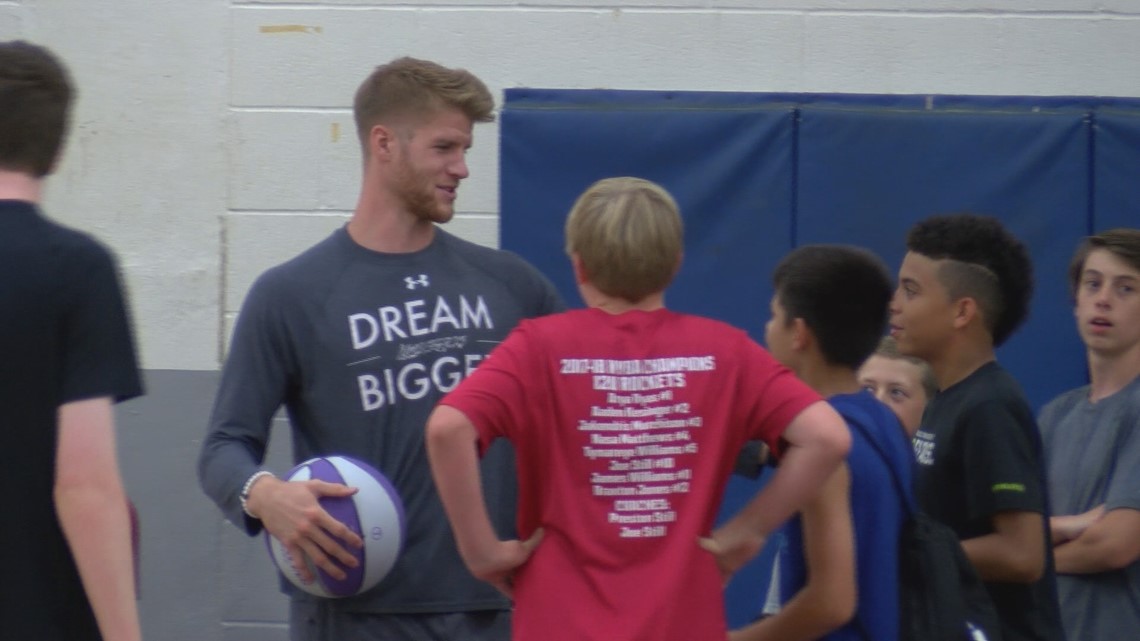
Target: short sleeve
x,y
98,350
1124,483
771,396
492,397
1002,465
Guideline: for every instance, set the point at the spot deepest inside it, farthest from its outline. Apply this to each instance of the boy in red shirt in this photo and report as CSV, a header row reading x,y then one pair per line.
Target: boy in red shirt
x,y
627,419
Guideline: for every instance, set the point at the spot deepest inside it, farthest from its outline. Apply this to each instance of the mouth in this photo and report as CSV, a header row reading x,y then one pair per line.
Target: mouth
x,y
894,330
1100,323
448,191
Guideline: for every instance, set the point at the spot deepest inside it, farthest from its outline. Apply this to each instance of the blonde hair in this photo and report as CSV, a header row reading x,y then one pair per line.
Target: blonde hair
x,y
409,87
628,235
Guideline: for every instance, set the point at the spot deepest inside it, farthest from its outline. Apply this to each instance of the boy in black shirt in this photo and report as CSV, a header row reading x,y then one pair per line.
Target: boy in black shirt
x,y
964,287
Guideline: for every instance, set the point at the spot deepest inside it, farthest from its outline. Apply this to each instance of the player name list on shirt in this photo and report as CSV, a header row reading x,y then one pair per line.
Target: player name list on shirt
x,y
640,437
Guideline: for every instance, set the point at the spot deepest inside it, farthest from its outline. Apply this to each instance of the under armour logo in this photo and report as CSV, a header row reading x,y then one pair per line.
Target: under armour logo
x,y
418,281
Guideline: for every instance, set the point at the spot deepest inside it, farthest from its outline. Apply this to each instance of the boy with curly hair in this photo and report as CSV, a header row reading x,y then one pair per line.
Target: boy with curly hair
x,y
964,288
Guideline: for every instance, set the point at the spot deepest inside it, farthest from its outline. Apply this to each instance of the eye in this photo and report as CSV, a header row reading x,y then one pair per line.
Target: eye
x,y
898,393
1125,289
1091,284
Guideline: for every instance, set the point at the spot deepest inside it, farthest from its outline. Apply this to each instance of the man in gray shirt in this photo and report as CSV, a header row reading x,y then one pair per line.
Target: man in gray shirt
x,y
359,337
1091,437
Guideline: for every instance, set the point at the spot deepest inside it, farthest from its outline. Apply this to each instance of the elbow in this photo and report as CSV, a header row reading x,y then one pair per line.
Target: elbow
x,y
1119,557
837,443
1026,568
837,612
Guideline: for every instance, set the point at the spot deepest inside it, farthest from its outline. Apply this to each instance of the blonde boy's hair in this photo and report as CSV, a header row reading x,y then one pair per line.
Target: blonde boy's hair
x,y
888,348
628,235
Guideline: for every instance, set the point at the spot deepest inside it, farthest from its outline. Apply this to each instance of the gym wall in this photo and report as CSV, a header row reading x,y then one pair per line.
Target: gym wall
x,y
213,139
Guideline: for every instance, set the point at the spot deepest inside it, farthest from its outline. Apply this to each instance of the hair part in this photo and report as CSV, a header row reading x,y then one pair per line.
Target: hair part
x,y
985,263
842,293
1122,242
889,348
413,88
35,106
628,236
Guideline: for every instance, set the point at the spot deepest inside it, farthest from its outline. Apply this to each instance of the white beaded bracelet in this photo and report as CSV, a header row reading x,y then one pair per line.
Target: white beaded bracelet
x,y
244,496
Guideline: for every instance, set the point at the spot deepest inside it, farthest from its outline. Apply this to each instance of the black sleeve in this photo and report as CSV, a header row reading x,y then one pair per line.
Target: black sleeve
x,y
1002,461
98,350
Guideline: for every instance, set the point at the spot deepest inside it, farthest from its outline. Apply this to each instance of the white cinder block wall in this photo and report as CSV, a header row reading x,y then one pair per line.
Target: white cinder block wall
x,y
213,139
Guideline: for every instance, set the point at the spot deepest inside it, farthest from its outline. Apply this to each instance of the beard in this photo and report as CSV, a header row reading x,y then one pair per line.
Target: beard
x,y
418,195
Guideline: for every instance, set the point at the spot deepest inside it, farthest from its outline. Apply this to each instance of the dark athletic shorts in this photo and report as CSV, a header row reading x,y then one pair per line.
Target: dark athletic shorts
x,y
315,621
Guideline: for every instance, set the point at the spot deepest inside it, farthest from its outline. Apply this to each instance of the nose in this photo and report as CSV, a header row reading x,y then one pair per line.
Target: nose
x,y
459,168
881,394
1103,297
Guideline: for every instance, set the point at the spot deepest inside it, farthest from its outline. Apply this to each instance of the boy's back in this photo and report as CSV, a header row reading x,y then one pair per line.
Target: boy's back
x,y
979,454
625,426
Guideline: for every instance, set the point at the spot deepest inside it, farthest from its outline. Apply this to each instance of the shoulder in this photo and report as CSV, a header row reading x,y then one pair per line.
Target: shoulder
x,y
78,248
499,262
1056,409
306,271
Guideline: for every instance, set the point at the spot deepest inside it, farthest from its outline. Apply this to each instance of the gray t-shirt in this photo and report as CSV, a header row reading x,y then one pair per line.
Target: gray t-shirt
x,y
1093,456
359,346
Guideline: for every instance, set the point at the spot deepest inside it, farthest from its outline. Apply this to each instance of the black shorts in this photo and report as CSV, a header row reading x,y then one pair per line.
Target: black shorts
x,y
317,621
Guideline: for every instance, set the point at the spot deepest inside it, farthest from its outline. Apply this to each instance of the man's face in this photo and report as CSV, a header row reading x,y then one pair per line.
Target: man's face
x,y
922,313
1108,304
430,163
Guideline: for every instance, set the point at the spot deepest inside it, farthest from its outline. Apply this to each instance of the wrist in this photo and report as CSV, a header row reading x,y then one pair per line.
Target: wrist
x,y
247,491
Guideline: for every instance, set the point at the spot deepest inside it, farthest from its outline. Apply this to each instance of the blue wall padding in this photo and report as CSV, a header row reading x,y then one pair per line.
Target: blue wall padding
x,y
757,174
1117,169
865,176
736,201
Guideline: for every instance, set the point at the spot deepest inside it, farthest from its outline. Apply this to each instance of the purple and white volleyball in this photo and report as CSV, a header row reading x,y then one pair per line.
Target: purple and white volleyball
x,y
375,512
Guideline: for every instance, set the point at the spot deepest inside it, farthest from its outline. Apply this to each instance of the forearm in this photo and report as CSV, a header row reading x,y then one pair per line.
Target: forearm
x,y
1014,553
806,617
1068,527
96,524
1110,543
801,473
452,453
829,598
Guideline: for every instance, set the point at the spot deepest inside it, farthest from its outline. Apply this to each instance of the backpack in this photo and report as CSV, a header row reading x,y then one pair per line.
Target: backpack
x,y
941,597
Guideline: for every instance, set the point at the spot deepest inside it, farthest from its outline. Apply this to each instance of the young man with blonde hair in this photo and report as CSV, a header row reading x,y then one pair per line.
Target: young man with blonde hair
x,y
627,418
358,337
1092,447
66,355
905,383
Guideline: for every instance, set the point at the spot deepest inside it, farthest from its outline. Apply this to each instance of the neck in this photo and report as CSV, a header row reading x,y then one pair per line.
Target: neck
x,y
827,379
615,305
959,361
15,185
1108,374
379,223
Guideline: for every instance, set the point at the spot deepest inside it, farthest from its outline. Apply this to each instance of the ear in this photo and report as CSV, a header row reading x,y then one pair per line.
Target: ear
x,y
580,276
382,141
965,311
802,338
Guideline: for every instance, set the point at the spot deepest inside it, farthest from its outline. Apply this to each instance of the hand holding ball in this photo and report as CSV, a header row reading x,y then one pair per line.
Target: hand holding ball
x,y
375,513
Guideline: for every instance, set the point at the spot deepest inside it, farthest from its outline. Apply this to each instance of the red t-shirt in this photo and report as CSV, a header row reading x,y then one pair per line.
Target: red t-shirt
x,y
626,428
